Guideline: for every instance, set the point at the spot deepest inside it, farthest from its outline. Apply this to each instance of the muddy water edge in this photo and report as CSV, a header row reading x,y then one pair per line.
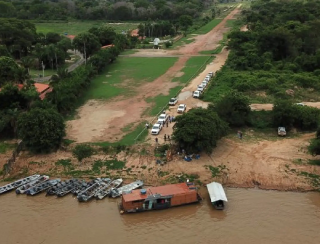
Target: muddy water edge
x,y
251,216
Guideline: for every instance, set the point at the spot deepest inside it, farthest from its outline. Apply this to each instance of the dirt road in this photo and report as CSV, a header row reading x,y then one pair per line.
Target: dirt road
x,y
104,120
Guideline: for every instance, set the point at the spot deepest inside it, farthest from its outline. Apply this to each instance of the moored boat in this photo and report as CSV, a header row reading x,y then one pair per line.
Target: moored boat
x,y
160,197
89,193
42,187
106,190
217,195
69,188
83,186
17,183
127,188
22,189
53,190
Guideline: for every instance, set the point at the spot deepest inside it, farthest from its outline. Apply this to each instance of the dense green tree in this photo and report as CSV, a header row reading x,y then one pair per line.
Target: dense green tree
x,y
18,36
198,130
185,22
42,130
87,44
9,70
4,51
106,35
314,147
233,108
283,113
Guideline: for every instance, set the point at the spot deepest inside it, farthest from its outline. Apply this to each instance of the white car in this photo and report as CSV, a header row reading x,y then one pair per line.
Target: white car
x,y
211,73
207,79
173,101
182,108
156,129
196,94
204,83
300,104
162,118
200,88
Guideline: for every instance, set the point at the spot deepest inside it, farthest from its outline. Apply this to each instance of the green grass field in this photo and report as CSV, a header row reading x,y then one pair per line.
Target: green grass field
x,y
122,77
208,27
74,28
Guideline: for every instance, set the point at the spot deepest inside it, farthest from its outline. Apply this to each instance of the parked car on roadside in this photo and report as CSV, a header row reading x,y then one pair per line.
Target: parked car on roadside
x,y
162,118
182,108
196,94
282,131
204,83
200,88
300,104
211,73
156,128
173,101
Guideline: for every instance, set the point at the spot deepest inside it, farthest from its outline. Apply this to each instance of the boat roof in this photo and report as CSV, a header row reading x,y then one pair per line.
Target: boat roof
x,y
216,192
166,190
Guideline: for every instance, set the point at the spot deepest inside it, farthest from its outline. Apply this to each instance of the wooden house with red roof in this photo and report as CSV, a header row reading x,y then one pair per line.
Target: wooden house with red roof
x,y
42,89
160,197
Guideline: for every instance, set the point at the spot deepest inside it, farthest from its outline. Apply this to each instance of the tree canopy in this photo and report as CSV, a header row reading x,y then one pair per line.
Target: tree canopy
x,y
198,130
233,108
41,129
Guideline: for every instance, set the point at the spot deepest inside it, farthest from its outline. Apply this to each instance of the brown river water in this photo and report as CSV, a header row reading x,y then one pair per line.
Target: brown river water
x,y
251,216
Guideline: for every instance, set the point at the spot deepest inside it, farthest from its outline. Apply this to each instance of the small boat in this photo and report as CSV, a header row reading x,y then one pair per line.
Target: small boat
x,y
83,186
24,188
69,188
217,195
127,188
106,190
89,193
53,190
18,183
42,187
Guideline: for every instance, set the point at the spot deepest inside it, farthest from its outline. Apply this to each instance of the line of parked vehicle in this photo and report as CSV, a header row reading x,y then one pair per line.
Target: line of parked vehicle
x,y
202,86
162,119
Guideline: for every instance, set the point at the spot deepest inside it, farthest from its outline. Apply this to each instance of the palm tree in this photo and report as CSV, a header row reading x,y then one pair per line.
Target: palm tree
x,y
27,62
61,74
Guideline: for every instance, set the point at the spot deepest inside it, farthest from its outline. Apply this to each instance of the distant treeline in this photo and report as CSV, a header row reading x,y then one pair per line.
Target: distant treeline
x,y
102,10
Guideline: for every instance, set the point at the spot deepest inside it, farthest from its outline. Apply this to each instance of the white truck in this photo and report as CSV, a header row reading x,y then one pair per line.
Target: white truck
x,y
162,118
196,94
156,128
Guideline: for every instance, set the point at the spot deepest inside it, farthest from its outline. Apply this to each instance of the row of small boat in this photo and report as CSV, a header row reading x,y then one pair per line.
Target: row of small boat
x,y
98,188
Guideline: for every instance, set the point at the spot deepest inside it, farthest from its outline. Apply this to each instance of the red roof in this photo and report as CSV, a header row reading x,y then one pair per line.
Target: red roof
x,y
107,46
71,37
41,87
165,190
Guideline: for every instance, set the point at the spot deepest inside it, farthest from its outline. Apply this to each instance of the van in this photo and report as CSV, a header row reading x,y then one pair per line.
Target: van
x,y
196,94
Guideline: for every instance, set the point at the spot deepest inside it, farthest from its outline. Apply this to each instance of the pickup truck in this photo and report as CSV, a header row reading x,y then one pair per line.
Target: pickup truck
x,y
162,118
196,94
173,101
156,129
282,131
